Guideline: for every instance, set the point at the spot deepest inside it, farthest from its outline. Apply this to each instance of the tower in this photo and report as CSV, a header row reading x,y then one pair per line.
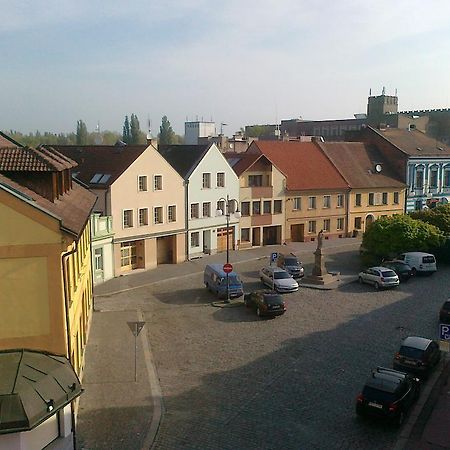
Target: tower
x,y
381,107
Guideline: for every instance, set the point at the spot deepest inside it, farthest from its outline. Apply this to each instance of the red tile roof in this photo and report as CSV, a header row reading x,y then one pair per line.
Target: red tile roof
x,y
246,160
304,164
356,162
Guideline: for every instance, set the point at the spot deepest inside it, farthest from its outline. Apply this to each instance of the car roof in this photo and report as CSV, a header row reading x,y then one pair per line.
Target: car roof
x,y
417,254
416,342
395,261
275,269
218,268
379,268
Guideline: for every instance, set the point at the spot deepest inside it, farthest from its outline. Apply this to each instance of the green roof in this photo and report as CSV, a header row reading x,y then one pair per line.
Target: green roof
x,y
33,386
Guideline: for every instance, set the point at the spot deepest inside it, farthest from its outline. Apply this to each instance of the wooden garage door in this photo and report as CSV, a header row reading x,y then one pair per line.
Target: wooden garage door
x,y
222,239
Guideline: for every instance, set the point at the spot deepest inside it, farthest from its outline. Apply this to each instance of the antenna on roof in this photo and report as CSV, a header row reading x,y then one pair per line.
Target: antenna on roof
x,y
396,92
370,92
149,126
383,91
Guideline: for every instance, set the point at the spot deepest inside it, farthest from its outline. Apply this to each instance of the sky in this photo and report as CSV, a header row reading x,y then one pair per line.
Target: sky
x,y
234,62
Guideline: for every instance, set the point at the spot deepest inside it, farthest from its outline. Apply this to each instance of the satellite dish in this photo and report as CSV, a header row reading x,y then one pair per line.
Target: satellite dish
x,y
378,168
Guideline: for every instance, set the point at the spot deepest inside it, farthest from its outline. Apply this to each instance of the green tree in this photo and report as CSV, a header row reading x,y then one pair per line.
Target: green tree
x,y
126,135
166,133
82,133
389,236
135,131
438,216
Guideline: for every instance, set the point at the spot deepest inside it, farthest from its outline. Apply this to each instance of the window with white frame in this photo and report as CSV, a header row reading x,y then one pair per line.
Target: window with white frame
x,y
206,180
158,214
357,199
245,234
371,198
311,202
327,201
206,209
311,226
195,210
195,239
384,198
396,198
142,183
143,216
127,218
220,179
172,213
267,207
419,178
221,206
256,207
340,223
98,258
434,177
358,223
245,208
447,177
297,203
277,206
157,183
340,200
326,224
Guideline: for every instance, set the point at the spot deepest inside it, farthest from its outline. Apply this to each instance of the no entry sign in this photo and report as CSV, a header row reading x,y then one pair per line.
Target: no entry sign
x,y
227,268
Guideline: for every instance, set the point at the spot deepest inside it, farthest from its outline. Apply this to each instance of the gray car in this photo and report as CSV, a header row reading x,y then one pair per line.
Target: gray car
x,y
278,279
380,277
290,263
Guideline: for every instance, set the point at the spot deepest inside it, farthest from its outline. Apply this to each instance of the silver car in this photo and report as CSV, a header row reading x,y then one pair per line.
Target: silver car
x,y
278,279
380,277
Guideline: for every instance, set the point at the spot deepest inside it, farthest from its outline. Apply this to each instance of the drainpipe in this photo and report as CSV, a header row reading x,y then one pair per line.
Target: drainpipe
x,y
64,257
186,213
347,224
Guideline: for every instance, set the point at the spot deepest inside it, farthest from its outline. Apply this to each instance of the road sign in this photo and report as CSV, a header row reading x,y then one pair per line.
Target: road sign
x,y
273,257
227,268
136,327
444,332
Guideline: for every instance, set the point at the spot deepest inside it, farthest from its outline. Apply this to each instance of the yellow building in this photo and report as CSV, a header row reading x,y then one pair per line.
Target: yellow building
x,y
375,189
45,263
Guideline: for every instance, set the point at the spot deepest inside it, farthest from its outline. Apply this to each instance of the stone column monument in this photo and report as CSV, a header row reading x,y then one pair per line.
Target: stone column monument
x,y
319,273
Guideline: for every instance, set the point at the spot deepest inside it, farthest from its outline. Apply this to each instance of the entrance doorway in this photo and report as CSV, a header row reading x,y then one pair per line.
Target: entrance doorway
x,y
256,236
298,232
272,235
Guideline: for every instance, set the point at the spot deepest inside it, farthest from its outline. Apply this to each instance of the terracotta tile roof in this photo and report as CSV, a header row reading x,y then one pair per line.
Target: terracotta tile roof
x,y
414,142
73,208
109,161
356,162
7,141
245,161
183,158
304,164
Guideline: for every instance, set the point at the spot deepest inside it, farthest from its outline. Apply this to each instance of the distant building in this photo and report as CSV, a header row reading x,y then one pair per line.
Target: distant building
x,y
238,143
193,131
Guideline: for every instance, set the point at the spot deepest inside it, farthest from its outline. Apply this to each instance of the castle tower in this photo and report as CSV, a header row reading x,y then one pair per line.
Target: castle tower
x,y
380,107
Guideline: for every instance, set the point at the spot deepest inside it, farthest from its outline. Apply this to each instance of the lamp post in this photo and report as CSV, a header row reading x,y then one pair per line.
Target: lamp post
x,y
226,211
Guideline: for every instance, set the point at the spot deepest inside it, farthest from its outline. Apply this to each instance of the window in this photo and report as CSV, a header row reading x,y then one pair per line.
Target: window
x,y
245,235
447,177
143,216
433,178
419,179
277,206
207,209
340,223
157,183
340,200
384,198
172,213
256,208
297,203
158,214
221,206
371,198
206,181
195,214
127,218
195,239
142,183
396,198
418,205
357,199
311,202
255,180
220,179
326,225
245,208
326,201
312,226
267,207
357,223
98,258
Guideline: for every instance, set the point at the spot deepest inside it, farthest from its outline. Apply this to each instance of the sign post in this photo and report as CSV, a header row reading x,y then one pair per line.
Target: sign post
x,y
273,258
136,328
227,268
444,337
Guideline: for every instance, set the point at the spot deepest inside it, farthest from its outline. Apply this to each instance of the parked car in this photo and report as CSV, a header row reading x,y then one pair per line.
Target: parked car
x,y
290,263
420,263
380,277
266,303
417,355
278,279
403,270
215,280
388,394
444,313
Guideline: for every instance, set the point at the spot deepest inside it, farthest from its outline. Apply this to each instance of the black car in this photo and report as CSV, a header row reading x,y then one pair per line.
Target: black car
x,y
444,313
402,269
388,394
266,303
417,355
290,263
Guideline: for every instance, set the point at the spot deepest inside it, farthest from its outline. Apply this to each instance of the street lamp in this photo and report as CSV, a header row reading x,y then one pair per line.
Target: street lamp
x,y
227,212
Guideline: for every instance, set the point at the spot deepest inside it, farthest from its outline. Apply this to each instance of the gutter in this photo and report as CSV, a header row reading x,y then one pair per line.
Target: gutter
x,y
186,217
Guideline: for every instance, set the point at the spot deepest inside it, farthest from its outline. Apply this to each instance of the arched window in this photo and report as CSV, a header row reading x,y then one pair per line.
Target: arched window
x,y
419,173
433,179
446,180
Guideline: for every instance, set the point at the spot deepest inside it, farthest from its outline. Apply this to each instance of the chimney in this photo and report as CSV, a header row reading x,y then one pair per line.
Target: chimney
x,y
152,141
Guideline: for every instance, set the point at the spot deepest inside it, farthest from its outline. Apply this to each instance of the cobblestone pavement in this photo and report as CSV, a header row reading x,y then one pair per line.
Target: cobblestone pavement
x,y
233,381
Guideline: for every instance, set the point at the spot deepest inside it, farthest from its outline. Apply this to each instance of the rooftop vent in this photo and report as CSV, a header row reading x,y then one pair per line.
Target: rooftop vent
x,y
419,149
440,148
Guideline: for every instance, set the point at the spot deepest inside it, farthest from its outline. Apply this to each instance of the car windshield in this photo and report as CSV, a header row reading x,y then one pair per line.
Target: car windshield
x,y
388,273
411,352
233,279
428,259
281,275
378,395
291,262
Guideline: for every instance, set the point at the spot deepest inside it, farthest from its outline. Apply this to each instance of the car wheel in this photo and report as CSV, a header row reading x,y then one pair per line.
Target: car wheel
x,y
258,312
413,272
377,286
400,418
360,280
207,286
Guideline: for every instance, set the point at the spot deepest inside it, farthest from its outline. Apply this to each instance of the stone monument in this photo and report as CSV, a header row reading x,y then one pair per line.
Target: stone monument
x,y
319,274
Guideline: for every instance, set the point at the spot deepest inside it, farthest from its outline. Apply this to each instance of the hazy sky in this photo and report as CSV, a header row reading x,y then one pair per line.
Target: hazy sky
x,y
238,62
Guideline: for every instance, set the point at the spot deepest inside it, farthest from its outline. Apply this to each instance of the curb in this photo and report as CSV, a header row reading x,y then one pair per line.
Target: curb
x,y
231,304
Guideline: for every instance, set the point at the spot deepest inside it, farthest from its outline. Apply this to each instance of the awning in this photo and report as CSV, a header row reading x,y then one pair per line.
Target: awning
x,y
33,386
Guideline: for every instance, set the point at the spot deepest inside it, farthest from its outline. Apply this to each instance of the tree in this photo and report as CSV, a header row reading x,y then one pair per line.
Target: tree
x,y
126,135
135,132
166,133
438,216
389,236
82,134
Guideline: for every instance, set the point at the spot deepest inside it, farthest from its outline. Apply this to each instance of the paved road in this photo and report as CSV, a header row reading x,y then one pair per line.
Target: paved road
x,y
232,381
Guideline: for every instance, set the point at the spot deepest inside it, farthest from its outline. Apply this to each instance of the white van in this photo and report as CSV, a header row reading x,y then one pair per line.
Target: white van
x,y
419,262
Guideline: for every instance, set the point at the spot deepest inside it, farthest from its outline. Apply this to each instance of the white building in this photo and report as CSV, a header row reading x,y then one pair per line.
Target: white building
x,y
195,130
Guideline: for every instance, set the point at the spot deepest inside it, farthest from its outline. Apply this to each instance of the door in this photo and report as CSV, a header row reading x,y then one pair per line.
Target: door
x,y
164,250
369,220
128,258
256,236
298,232
222,235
